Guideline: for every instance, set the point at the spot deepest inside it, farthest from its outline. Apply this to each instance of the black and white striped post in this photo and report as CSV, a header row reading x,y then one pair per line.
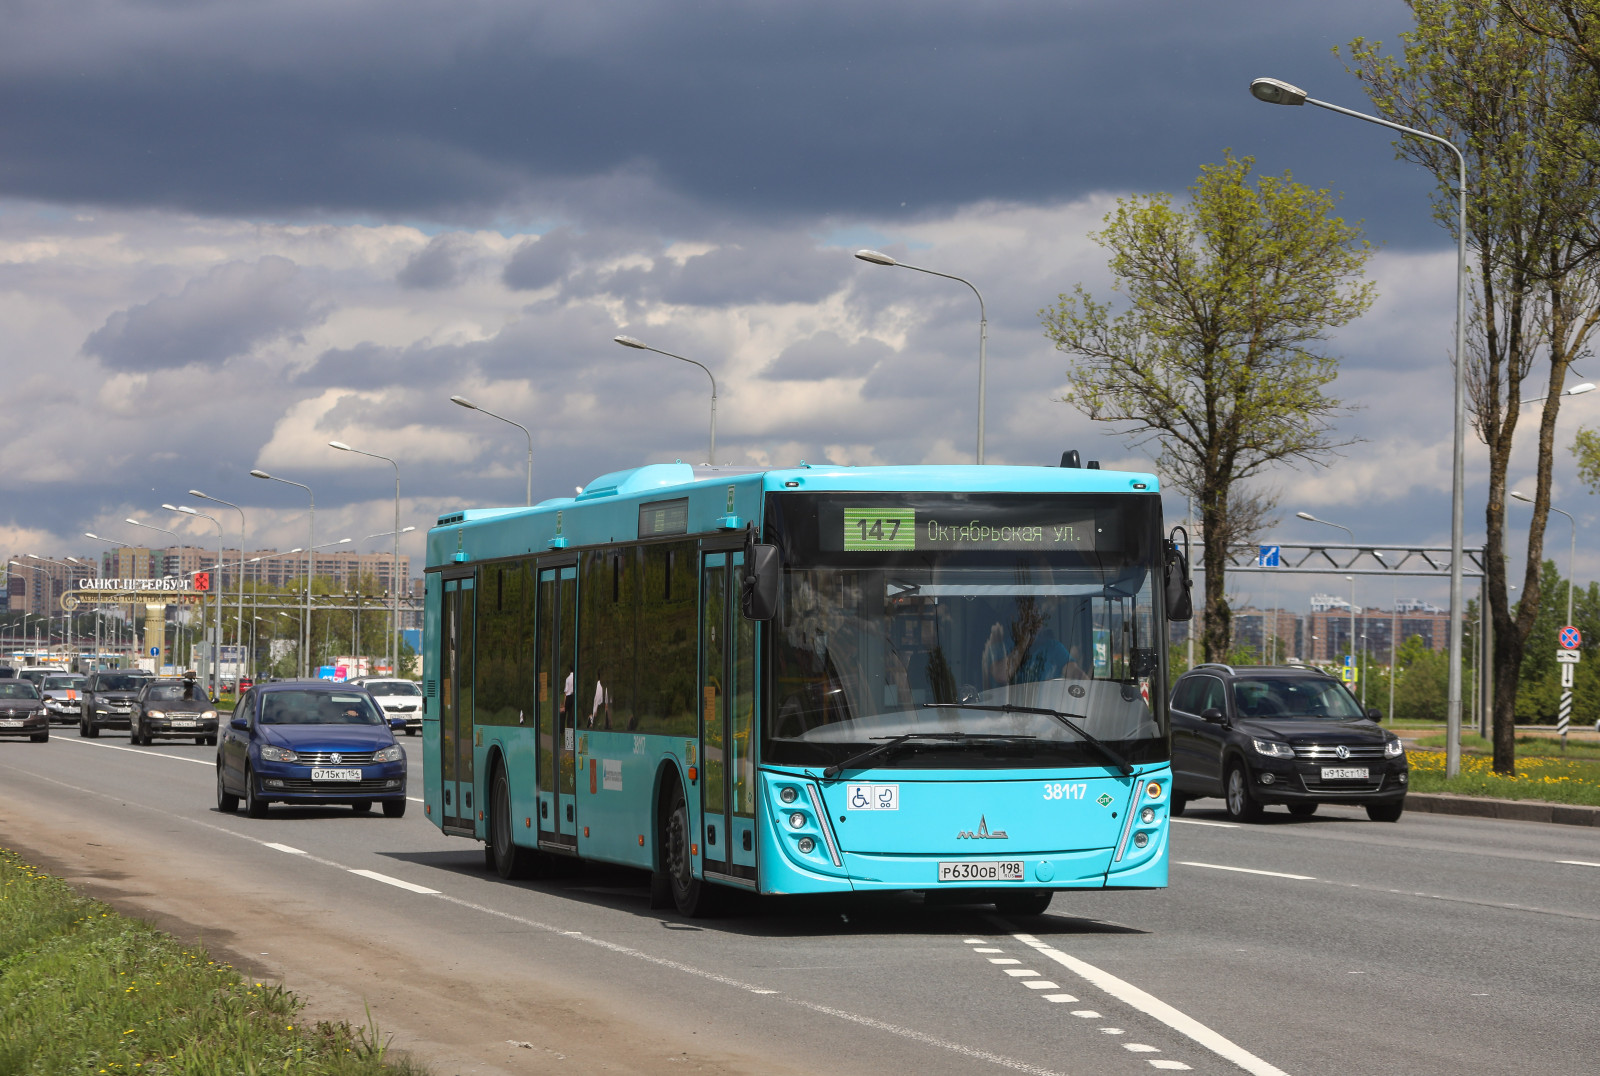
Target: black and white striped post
x,y
1568,655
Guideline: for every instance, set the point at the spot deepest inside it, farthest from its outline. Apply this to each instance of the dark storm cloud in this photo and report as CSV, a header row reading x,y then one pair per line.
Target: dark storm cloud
x,y
437,265
826,355
460,110
232,309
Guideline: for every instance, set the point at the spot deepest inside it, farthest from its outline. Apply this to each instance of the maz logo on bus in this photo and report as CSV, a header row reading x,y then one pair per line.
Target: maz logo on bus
x,y
1065,791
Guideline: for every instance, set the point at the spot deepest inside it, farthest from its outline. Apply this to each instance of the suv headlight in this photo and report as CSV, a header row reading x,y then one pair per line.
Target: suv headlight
x,y
1273,749
392,753
1393,749
155,713
277,754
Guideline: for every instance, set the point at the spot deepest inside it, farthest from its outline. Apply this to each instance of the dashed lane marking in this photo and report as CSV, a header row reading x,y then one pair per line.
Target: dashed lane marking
x,y
910,1034
284,848
211,763
1578,863
1248,870
398,883
1155,1008
1198,822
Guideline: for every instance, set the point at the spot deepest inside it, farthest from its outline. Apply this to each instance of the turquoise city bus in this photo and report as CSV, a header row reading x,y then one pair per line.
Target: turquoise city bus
x,y
949,680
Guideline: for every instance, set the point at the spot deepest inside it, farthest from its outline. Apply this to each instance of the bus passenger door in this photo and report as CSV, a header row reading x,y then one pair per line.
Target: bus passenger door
x,y
556,705
727,719
455,706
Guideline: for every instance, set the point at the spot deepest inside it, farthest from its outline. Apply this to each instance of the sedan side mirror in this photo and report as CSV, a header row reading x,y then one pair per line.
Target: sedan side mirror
x,y
1214,715
1375,715
240,723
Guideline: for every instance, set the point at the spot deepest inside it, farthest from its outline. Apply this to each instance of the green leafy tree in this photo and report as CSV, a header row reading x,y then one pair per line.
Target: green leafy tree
x,y
1421,688
1215,358
1515,103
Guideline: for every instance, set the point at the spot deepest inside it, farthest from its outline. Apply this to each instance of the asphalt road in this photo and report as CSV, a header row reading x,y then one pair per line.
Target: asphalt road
x,y
1302,946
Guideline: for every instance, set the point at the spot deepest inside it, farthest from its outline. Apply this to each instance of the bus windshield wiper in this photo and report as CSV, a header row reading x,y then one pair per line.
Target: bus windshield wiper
x,y
1066,719
894,742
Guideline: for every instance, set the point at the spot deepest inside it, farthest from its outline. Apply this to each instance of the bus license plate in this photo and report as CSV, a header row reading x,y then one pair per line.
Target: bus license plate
x,y
335,775
968,870
1344,773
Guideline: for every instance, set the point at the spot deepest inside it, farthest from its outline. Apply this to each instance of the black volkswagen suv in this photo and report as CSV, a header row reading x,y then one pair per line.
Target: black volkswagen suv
x,y
1266,734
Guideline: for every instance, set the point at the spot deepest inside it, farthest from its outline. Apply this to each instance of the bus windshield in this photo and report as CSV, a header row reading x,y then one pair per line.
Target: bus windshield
x,y
898,608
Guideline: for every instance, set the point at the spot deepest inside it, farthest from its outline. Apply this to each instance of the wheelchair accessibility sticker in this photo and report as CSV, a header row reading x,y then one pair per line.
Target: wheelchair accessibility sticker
x,y
872,797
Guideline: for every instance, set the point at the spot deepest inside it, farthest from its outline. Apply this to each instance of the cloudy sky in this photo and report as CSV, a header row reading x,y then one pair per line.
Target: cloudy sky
x,y
231,232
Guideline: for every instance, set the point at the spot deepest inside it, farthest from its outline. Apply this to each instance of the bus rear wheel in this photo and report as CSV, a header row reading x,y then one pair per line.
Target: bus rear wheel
x,y
690,895
508,860
1023,901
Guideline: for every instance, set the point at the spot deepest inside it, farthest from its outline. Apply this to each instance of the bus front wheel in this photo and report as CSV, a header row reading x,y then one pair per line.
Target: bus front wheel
x,y
508,860
690,895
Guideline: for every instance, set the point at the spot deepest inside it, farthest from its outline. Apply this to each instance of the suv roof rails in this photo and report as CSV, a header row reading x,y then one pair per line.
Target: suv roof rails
x,y
1214,665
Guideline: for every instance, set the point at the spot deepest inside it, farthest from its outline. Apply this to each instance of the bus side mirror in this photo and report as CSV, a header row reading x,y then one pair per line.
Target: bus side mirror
x,y
758,599
1180,603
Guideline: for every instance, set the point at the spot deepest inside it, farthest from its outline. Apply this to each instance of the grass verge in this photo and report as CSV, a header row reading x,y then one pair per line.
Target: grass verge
x,y
85,990
1527,746
1552,779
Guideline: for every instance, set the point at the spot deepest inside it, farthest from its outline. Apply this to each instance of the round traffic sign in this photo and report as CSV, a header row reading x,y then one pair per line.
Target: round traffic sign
x,y
1570,639
155,651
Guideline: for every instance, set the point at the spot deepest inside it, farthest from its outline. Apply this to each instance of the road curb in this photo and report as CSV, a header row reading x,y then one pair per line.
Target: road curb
x,y
1561,814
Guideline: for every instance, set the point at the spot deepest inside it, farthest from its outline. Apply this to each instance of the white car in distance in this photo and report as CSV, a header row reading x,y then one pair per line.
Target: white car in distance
x,y
400,700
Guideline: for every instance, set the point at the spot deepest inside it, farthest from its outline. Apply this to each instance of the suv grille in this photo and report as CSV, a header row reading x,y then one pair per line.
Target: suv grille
x,y
1325,752
325,758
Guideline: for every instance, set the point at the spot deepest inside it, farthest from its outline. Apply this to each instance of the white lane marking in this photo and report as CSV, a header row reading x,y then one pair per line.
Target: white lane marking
x,y
1154,1007
397,882
787,999
1163,1063
135,751
976,941
1197,822
1578,863
988,950
1022,973
1112,1031
1247,870
1058,998
1140,1048
1003,960
1087,1014
284,848
415,799
577,935
1042,984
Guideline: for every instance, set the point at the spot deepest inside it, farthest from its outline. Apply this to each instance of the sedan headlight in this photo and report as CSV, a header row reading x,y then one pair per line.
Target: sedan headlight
x,y
155,713
1393,749
1273,749
209,714
392,753
277,754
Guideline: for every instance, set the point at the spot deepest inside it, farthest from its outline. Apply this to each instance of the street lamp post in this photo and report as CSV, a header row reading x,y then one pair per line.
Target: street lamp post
x,y
163,530
1277,92
877,257
240,619
628,341
395,669
394,572
1340,526
311,539
470,406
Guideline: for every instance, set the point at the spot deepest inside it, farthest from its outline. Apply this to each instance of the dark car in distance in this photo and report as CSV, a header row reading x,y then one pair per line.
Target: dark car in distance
x,y
1275,734
107,701
22,711
309,742
173,708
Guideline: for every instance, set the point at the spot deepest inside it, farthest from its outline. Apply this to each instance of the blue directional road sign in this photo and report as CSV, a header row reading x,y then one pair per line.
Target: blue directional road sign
x,y
1268,557
155,651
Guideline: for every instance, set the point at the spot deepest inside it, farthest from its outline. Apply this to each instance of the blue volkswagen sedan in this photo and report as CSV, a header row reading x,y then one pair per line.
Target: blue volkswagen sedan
x,y
309,742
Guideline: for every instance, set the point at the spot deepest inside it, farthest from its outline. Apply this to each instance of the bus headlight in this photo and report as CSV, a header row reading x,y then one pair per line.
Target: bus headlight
x,y
806,845
1153,790
788,795
1141,839
797,821
1148,815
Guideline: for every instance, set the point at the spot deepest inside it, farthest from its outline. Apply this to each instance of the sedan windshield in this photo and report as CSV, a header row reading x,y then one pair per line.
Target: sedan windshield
x,y
17,689
1285,697
319,708
177,693
392,687
121,682
888,640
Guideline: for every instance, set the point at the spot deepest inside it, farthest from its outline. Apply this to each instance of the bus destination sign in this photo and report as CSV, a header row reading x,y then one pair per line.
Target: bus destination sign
x,y
910,529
